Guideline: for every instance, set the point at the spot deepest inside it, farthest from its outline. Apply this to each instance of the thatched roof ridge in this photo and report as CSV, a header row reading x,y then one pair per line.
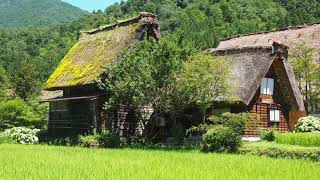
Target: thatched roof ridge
x,y
84,62
251,64
291,36
274,30
120,23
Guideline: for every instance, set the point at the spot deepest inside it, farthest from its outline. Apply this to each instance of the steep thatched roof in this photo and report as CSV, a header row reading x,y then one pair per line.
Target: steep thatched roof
x,y
251,64
96,48
291,36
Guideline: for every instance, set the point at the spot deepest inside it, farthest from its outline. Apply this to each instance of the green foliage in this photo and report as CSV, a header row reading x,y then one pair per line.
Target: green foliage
x,y
198,130
221,139
270,149
267,135
202,80
308,124
236,122
300,10
301,139
145,75
109,140
16,113
104,139
307,71
89,140
4,139
4,82
26,13
26,83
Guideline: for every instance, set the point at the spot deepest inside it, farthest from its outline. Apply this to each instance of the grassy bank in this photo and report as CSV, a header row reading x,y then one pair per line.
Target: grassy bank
x,y
274,150
50,162
302,139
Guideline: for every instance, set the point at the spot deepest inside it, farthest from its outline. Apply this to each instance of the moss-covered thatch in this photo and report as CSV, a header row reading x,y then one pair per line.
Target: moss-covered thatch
x,y
96,48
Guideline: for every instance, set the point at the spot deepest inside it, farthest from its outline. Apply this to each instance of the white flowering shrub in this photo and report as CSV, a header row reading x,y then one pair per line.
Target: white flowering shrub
x,y
308,124
22,135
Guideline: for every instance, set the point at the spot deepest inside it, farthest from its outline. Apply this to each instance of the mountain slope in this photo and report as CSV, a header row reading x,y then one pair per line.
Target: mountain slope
x,y
28,13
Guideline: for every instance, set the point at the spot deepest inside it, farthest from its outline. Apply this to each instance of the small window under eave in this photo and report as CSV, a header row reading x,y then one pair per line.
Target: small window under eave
x,y
267,86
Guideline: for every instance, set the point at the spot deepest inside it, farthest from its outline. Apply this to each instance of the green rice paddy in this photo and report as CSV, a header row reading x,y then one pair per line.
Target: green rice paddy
x,y
52,162
301,139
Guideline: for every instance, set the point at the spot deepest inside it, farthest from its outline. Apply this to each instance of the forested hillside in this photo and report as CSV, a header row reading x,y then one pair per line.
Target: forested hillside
x,y
27,13
195,23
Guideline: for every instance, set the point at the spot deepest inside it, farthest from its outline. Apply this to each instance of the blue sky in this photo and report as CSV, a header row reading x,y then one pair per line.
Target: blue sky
x,y
91,5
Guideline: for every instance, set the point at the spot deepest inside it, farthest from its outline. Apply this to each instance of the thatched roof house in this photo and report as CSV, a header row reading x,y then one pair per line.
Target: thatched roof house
x,y
80,107
96,48
264,79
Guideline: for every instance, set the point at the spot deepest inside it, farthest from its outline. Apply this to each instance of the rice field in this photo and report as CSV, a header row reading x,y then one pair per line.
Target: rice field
x,y
51,162
301,139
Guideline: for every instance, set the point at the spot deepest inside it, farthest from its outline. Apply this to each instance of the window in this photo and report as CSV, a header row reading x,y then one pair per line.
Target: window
x,y
267,85
274,115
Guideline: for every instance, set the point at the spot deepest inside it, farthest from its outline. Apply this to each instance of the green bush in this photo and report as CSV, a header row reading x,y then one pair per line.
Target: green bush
x,y
198,130
221,139
17,113
109,140
274,150
104,139
308,124
267,135
301,139
4,139
236,122
89,140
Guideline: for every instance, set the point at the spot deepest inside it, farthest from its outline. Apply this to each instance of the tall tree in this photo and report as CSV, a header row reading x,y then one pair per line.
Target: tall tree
x,y
4,82
307,71
203,80
26,81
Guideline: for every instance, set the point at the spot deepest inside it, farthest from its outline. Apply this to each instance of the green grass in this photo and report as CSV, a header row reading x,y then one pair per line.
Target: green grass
x,y
52,162
302,139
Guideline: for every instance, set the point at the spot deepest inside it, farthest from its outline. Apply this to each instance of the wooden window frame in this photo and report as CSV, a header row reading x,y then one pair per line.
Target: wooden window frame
x,y
265,90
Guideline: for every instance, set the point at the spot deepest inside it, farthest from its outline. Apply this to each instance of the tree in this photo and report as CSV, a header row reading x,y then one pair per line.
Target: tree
x,y
145,75
307,72
16,113
26,81
203,80
4,82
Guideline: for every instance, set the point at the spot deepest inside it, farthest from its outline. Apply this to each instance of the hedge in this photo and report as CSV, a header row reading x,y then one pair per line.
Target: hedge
x,y
274,150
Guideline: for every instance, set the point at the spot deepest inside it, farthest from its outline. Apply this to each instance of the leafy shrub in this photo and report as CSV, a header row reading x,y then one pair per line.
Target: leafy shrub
x,y
236,122
4,139
274,150
221,139
89,140
267,135
21,135
301,139
107,139
17,113
198,130
308,124
104,139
